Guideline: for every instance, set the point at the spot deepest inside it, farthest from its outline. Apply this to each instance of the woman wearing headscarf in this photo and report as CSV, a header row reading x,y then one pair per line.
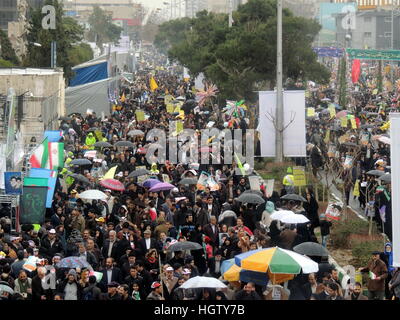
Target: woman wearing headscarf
x,y
387,257
311,207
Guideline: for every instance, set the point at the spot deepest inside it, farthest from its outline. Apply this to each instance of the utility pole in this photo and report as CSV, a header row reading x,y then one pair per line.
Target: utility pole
x,y
230,13
279,89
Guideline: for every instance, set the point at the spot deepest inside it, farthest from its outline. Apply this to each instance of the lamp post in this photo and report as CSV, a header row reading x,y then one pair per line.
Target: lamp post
x,y
279,87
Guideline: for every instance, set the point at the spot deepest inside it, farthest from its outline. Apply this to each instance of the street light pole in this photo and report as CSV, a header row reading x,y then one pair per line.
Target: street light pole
x,y
230,13
279,87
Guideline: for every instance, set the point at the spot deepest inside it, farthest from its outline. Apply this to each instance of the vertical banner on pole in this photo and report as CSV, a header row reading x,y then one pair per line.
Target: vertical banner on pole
x,y
395,171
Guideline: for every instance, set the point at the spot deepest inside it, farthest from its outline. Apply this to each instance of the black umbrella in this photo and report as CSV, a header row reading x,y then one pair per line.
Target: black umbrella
x,y
79,177
135,133
188,181
311,249
186,245
387,177
80,162
124,144
367,126
103,144
65,118
294,197
138,172
250,198
376,173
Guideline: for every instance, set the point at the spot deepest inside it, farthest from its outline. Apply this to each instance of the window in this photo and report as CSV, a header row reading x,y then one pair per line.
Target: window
x,y
367,19
388,19
388,34
367,34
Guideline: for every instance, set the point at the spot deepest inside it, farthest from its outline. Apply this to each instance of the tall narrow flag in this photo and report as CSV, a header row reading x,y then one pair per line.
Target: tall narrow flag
x,y
40,156
110,173
153,84
240,165
56,155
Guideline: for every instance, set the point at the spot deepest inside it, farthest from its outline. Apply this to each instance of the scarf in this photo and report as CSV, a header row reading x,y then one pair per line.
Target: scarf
x,y
151,259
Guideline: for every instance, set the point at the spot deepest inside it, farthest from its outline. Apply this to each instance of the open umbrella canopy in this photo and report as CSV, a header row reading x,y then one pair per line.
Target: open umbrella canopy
x,y
311,249
188,181
5,288
138,173
387,177
279,214
93,195
103,144
253,192
81,162
124,144
163,186
376,173
79,177
133,133
276,260
149,183
203,282
73,262
185,245
294,218
112,184
294,197
227,214
250,198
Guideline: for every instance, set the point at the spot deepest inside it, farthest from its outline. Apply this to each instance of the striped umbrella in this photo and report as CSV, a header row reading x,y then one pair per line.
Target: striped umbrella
x,y
276,261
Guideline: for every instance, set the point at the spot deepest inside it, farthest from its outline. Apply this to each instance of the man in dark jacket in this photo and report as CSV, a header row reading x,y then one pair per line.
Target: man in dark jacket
x,y
248,293
377,274
211,230
147,243
50,245
132,278
110,248
215,263
38,293
92,292
110,274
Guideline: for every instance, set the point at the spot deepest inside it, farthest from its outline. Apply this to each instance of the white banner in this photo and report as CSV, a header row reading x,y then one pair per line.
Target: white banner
x,y
294,136
395,171
198,82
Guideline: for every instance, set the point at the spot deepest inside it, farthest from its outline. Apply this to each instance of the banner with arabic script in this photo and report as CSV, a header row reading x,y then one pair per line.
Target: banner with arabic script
x,y
370,54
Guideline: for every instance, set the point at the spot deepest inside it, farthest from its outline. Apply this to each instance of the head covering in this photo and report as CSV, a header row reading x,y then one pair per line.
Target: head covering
x,y
169,269
147,231
389,256
101,219
53,231
289,170
113,284
155,285
270,207
186,271
72,272
74,191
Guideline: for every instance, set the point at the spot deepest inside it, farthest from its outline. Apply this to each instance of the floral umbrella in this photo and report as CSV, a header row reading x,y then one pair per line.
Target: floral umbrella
x,y
235,108
112,184
204,95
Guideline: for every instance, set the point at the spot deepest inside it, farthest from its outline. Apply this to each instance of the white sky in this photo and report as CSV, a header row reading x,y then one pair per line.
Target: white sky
x,y
152,3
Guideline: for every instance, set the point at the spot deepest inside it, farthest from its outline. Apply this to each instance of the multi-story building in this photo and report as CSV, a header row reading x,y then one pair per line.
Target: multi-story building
x,y
373,30
371,4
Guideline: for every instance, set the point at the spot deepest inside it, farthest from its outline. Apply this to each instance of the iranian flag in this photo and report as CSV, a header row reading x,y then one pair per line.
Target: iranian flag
x,y
56,155
40,156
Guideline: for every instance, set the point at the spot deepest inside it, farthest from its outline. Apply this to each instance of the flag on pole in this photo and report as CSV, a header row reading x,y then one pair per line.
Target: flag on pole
x,y
372,275
110,174
153,84
40,156
240,165
56,155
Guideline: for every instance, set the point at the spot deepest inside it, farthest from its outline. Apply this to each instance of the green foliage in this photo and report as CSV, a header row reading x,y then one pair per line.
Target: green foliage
x,y
342,230
238,58
7,51
361,251
66,34
379,78
80,53
5,64
102,29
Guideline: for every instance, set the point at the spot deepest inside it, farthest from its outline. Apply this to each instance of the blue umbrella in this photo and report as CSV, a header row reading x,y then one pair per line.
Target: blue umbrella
x,y
73,262
259,278
150,183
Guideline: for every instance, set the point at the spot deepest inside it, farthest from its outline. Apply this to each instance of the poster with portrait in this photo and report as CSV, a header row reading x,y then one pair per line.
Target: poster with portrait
x,y
13,182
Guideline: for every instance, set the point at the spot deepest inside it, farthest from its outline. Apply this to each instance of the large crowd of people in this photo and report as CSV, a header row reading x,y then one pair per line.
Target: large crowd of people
x,y
123,240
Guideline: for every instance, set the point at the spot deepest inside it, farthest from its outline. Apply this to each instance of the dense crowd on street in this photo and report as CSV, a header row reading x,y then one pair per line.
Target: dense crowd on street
x,y
121,244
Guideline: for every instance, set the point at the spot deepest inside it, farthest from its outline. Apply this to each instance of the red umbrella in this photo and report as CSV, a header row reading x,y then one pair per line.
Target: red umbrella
x,y
112,184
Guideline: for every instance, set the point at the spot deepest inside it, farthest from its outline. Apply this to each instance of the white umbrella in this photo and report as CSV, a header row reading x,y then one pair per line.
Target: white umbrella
x,y
294,218
5,288
278,215
93,195
203,282
226,214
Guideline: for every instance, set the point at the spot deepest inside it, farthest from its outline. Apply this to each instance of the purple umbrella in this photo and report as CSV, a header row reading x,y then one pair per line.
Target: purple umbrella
x,y
150,183
163,186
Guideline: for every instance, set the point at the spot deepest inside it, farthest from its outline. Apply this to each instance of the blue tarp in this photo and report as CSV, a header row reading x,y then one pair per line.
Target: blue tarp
x,y
89,74
329,52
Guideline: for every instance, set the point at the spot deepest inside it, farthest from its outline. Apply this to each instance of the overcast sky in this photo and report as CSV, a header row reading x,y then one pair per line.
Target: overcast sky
x,y
152,3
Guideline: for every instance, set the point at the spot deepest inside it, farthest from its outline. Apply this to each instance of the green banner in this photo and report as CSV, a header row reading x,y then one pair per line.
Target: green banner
x,y
33,205
369,54
36,182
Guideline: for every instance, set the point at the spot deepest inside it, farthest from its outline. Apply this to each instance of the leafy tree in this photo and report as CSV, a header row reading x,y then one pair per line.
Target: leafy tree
x,y
80,53
240,57
7,52
102,29
5,64
67,34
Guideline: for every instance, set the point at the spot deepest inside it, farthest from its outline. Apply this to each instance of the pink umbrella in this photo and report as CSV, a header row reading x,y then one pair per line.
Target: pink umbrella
x,y
341,114
112,184
163,186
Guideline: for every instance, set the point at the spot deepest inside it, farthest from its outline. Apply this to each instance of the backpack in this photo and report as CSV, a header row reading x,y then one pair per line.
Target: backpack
x,y
88,295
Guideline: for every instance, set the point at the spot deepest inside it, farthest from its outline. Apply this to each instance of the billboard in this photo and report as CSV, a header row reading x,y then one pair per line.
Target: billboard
x,y
327,19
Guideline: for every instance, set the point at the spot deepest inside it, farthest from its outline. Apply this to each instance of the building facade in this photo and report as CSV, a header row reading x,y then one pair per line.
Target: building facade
x,y
373,30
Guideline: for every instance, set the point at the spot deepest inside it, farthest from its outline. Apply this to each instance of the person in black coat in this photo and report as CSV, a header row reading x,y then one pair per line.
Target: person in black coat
x,y
248,293
311,207
114,272
215,264
147,243
111,241
50,245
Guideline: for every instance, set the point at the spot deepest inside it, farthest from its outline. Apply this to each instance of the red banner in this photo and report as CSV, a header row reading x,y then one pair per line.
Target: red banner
x,y
355,70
